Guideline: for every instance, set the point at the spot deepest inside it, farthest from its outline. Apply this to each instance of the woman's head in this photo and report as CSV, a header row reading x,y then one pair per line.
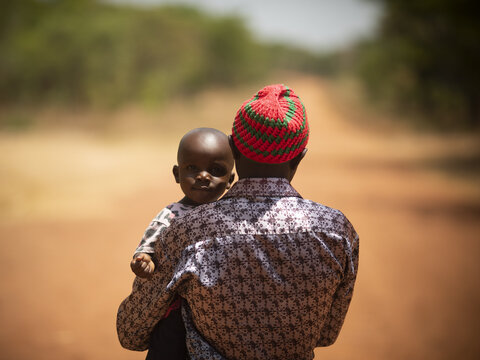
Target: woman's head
x,y
270,134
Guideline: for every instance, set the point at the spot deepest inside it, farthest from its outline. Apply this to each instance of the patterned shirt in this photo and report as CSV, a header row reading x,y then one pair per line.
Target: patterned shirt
x,y
265,274
158,224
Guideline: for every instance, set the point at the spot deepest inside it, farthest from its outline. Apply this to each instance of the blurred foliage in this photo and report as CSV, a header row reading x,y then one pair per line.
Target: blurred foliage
x,y
87,52
425,61
281,56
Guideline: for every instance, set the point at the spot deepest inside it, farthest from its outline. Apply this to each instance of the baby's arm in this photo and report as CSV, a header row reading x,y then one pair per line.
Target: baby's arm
x,y
142,265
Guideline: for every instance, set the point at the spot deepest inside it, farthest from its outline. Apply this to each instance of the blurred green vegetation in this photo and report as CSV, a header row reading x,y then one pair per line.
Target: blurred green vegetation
x,y
424,61
93,53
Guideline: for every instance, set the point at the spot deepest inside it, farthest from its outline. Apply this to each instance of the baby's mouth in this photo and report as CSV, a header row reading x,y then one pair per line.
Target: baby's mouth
x,y
202,187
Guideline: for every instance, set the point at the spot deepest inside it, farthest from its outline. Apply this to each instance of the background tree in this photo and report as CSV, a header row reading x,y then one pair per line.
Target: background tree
x,y
425,59
96,53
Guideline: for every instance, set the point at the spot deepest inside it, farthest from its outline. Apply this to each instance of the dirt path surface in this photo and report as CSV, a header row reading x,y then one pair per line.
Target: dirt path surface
x,y
74,207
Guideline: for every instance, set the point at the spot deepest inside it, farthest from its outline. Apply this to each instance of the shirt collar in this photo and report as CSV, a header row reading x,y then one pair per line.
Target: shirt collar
x,y
263,187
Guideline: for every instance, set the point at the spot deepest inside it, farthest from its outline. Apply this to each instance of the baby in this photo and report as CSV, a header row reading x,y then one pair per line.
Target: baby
x,y
204,172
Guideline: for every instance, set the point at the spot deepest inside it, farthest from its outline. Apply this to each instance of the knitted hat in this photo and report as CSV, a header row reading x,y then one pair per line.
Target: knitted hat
x,y
272,126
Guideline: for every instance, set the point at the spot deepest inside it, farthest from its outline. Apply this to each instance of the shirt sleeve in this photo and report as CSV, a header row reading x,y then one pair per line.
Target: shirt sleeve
x,y
147,303
344,292
158,224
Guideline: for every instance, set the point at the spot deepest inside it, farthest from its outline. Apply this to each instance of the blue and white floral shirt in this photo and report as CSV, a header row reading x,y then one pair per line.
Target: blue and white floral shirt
x,y
265,274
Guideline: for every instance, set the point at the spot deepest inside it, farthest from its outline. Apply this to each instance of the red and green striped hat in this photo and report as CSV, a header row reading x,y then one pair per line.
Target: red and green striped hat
x,y
272,126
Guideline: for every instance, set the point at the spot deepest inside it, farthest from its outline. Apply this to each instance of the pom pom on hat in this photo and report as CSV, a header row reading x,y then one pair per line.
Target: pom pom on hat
x,y
272,126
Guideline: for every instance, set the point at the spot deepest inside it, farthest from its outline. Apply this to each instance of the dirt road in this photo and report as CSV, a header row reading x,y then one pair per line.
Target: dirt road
x,y
75,205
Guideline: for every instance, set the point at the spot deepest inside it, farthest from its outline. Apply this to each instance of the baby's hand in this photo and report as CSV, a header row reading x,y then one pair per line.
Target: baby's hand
x,y
142,265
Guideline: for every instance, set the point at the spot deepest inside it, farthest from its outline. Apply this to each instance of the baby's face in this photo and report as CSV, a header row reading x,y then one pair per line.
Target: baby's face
x,y
204,169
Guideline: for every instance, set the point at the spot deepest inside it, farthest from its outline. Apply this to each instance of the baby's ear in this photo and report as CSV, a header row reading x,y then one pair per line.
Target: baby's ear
x,y
230,181
175,174
235,152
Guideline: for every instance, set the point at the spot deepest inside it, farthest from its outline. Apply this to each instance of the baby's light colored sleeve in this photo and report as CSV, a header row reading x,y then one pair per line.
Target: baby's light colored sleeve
x,y
158,224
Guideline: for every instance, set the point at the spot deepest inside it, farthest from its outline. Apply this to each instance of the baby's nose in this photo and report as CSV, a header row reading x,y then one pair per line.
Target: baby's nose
x,y
203,175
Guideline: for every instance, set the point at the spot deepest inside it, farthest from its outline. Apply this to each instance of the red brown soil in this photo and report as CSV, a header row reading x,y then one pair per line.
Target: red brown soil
x,y
74,207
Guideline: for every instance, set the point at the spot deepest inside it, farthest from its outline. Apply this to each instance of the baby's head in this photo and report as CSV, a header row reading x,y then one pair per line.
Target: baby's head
x,y
205,164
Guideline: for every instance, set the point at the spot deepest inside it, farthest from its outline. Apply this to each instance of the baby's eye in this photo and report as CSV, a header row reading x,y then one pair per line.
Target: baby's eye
x,y
218,171
191,168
